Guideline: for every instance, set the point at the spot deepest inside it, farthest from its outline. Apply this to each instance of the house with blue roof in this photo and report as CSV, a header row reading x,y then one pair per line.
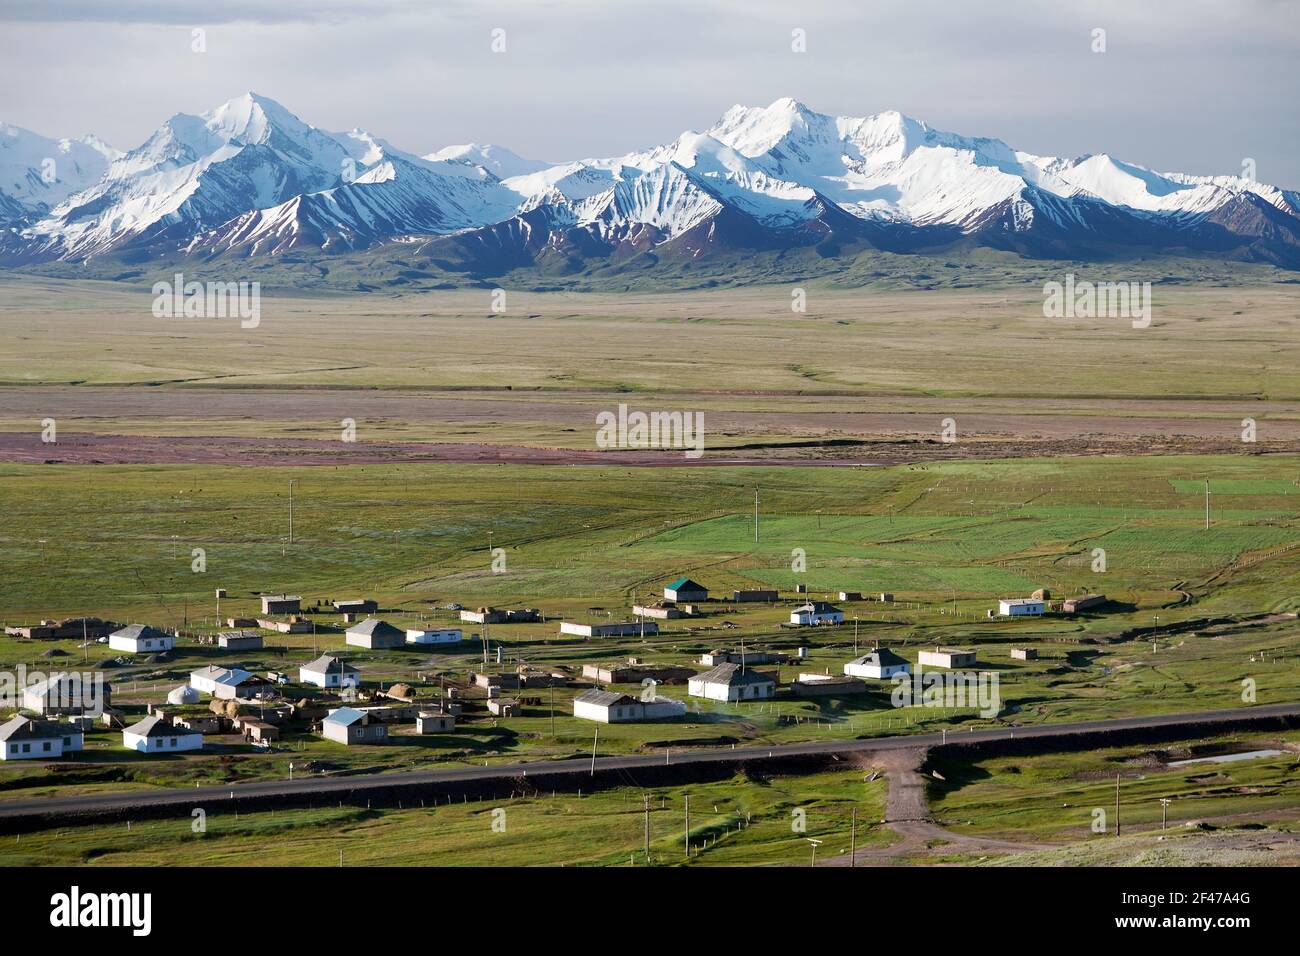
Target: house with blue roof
x,y
347,725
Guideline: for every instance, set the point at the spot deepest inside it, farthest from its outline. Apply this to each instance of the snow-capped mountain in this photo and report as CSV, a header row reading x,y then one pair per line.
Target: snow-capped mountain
x,y
37,173
251,179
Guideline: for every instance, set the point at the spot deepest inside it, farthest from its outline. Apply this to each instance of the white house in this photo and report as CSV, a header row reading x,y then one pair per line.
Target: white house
x,y
22,738
1020,607
611,707
729,682
327,671
816,612
227,683
375,635
348,725
880,664
140,639
155,735
70,693
445,635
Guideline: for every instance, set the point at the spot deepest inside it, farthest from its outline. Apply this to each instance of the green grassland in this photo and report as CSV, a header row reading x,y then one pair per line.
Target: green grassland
x,y
585,543
732,822
1040,800
1050,798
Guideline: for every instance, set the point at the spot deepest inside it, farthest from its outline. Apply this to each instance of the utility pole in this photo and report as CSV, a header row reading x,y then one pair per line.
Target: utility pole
x,y
853,839
292,482
1207,504
756,516
646,798
688,826
1164,808
855,635
552,709
594,741
1116,804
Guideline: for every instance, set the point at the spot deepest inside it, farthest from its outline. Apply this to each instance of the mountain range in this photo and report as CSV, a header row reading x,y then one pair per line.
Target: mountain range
x,y
250,179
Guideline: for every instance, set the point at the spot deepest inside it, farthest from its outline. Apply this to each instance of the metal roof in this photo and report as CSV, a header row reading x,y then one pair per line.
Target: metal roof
x,y
732,675
344,717
603,698
681,583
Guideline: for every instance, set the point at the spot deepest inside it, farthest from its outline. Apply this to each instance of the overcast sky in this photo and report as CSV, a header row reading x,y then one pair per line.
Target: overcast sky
x,y
1187,85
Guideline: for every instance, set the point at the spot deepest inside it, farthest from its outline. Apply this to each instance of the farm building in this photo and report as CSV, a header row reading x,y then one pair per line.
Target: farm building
x,y
827,685
731,682
23,738
260,732
444,635
816,613
295,625
327,671
662,612
356,606
228,683
1020,607
1075,605
613,629
281,604
1024,653
504,681
199,723
85,628
634,673
850,595
684,589
155,735
70,693
879,664
140,639
435,722
728,656
504,707
347,725
375,635
611,707
492,615
753,595
946,657
239,641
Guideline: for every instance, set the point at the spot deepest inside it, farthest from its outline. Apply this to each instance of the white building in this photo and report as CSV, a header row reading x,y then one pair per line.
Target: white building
x,y
880,664
946,657
140,639
445,635
327,672
728,682
22,738
155,735
228,683
611,707
347,725
612,629
1020,607
816,612
374,634
70,693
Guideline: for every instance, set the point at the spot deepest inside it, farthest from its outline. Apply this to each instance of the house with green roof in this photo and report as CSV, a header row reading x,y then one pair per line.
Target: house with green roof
x,y
686,591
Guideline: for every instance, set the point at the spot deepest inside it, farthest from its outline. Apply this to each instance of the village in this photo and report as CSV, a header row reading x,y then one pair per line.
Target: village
x,y
344,693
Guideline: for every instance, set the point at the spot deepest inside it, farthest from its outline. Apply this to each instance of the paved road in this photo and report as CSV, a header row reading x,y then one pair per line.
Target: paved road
x,y
13,810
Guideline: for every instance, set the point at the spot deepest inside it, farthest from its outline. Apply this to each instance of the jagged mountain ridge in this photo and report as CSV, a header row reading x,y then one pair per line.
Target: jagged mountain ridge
x,y
251,179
